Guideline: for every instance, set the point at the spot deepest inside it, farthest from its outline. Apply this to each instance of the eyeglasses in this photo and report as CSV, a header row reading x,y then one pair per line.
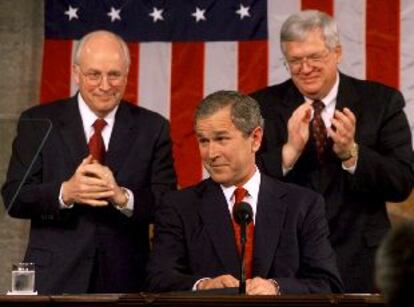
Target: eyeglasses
x,y
313,60
95,77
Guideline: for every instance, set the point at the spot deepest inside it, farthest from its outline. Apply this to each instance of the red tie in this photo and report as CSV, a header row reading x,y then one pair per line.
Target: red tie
x,y
96,144
239,194
319,129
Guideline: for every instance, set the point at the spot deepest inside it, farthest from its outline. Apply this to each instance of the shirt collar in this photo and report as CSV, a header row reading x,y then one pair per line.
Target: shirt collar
x,y
88,117
252,186
333,93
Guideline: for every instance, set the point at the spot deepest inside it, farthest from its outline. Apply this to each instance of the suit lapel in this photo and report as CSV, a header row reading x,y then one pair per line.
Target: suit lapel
x,y
269,220
347,97
70,128
215,214
120,142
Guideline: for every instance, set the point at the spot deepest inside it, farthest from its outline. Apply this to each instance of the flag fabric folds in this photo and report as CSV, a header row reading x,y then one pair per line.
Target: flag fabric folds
x,y
182,50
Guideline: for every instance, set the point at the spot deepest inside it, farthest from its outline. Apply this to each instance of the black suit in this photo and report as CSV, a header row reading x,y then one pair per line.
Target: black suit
x,y
194,239
355,204
64,243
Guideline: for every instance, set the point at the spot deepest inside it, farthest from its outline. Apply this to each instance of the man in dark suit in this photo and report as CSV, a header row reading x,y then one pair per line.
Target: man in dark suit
x,y
356,152
90,212
194,245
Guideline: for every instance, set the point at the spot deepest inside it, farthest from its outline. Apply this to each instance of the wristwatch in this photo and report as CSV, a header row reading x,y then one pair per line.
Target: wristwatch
x,y
351,153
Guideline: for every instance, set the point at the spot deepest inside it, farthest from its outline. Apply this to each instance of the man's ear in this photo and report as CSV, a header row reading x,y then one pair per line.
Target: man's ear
x,y
257,136
76,73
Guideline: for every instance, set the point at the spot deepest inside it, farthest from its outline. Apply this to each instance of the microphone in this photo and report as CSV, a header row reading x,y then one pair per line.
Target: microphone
x,y
243,215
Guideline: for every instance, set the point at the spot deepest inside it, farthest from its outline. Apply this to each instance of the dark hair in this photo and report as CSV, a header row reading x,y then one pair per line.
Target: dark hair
x,y
245,111
395,265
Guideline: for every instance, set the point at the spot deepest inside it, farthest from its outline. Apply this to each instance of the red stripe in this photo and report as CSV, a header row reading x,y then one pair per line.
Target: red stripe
x,y
326,6
131,92
253,65
56,73
383,41
186,93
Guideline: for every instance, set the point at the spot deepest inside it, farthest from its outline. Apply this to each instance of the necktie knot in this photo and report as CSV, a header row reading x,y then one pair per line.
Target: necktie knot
x,y
318,106
239,194
98,125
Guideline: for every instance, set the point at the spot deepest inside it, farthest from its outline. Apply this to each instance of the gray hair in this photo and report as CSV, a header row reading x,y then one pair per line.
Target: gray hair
x,y
245,111
84,39
298,25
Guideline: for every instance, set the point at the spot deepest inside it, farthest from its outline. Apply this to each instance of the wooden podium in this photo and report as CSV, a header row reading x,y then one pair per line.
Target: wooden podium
x,y
178,300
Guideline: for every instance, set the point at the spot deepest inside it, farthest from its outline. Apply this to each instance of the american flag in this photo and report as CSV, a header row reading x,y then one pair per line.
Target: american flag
x,y
183,50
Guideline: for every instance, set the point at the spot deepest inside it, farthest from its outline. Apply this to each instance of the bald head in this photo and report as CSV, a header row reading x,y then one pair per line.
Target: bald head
x,y
95,41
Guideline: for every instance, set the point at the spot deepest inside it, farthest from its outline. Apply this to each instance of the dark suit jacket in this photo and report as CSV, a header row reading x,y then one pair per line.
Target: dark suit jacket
x,y
194,239
355,204
63,243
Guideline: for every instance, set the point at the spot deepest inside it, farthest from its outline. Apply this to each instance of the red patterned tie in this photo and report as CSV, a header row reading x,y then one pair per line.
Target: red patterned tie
x,y
319,129
239,194
96,144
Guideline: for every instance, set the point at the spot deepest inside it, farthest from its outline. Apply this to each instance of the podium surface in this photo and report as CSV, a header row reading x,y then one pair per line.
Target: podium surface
x,y
159,300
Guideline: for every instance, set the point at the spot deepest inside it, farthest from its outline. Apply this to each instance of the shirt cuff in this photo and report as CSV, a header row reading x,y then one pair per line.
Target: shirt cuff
x,y
128,209
62,204
351,169
194,288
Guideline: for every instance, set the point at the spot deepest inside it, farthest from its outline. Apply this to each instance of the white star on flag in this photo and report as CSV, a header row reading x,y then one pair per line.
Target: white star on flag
x,y
156,14
199,14
72,12
114,14
243,11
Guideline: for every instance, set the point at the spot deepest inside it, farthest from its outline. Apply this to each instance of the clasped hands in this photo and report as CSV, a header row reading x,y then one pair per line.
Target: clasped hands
x,y
93,184
254,286
342,133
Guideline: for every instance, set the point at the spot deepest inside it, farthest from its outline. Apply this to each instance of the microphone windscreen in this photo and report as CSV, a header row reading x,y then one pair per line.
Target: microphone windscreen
x,y
242,213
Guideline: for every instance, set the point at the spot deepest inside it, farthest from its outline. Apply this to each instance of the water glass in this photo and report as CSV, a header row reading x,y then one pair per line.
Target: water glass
x,y
23,277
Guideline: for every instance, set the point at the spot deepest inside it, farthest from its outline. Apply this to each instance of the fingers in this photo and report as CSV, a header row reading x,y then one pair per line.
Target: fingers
x,y
298,128
260,286
92,184
222,281
342,130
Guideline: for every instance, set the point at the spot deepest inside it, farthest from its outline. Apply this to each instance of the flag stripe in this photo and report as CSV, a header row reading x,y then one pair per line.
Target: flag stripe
x,y
131,91
407,58
352,35
155,77
382,39
57,60
277,13
220,70
321,5
186,92
252,65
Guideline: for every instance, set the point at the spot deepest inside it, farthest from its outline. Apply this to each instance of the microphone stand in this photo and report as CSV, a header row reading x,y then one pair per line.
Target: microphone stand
x,y
243,215
242,285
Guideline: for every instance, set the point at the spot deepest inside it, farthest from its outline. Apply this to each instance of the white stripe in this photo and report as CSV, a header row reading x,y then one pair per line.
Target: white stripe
x,y
220,70
154,77
220,66
407,58
350,16
277,12
73,85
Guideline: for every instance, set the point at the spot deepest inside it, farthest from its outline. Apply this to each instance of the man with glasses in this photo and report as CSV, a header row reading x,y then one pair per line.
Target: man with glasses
x,y
93,190
345,138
